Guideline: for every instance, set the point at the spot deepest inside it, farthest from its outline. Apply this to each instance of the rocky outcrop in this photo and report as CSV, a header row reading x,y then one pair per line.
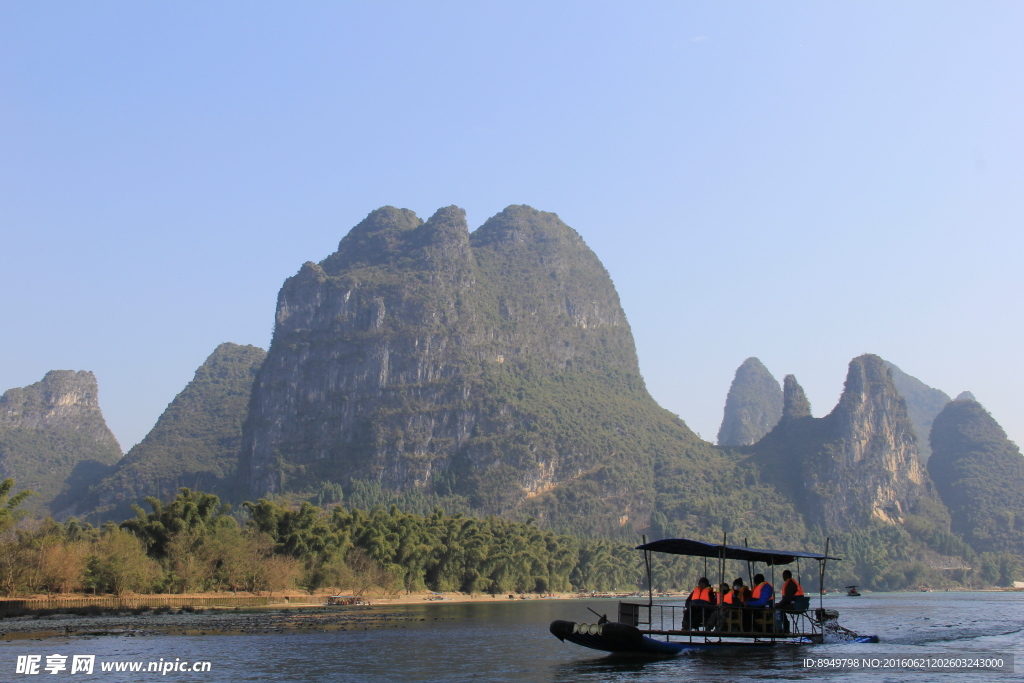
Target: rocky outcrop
x,y
965,396
753,406
794,401
195,442
979,473
53,438
424,358
859,463
923,404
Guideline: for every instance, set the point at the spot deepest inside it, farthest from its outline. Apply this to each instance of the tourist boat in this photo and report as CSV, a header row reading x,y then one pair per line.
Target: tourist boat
x,y
647,628
852,592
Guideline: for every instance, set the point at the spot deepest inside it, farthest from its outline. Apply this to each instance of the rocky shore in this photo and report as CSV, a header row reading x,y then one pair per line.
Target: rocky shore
x,y
278,618
204,622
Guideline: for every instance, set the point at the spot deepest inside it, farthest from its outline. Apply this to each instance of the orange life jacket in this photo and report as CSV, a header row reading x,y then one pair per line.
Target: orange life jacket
x,y
799,589
731,598
701,594
758,588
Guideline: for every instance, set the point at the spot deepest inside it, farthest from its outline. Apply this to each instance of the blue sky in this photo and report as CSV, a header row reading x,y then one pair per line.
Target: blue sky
x,y
802,182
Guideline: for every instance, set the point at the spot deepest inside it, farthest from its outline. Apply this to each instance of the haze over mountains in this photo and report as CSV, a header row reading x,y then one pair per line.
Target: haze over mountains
x,y
495,372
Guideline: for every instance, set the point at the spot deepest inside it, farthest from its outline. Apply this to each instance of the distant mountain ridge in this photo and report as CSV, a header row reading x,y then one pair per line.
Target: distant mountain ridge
x,y
858,463
753,406
194,443
923,404
53,438
979,473
494,373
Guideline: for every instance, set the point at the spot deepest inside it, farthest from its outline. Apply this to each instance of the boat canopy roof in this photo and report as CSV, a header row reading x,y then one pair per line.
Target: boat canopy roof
x,y
685,546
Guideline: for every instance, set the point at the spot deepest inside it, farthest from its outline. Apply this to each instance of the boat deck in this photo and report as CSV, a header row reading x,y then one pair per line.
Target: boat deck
x,y
720,635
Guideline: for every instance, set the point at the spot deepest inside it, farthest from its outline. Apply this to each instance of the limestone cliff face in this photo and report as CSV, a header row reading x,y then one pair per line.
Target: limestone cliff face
x,y
857,464
63,399
194,443
53,438
753,406
406,356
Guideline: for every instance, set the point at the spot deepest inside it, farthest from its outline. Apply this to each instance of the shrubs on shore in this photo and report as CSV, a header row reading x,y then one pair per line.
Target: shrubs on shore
x,y
194,544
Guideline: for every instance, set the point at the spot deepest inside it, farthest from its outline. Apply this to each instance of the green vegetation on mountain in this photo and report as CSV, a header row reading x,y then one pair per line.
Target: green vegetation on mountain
x,y
480,395
979,473
194,443
753,406
923,404
494,371
54,440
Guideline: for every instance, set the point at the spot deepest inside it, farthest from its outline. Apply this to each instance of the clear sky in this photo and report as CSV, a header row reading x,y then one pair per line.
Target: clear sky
x,y
802,182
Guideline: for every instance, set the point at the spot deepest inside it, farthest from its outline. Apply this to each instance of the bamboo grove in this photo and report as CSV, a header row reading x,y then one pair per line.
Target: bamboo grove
x,y
195,544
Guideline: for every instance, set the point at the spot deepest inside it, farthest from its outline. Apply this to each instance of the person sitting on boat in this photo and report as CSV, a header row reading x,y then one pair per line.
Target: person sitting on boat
x,y
791,590
732,603
760,599
762,594
740,593
713,618
702,598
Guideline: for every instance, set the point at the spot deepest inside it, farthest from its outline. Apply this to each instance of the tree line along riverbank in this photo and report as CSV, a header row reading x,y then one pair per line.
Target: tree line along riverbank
x,y
195,545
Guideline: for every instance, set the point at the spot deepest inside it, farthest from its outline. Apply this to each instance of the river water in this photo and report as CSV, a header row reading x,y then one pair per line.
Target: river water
x,y
509,641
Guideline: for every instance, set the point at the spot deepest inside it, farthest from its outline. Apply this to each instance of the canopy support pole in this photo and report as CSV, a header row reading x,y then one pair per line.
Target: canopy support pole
x,y
721,568
750,574
650,586
821,575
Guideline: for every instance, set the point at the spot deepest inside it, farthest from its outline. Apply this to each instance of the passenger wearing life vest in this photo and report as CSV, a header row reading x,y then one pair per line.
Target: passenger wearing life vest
x,y
702,593
714,616
738,596
790,590
762,594
702,598
760,599
733,602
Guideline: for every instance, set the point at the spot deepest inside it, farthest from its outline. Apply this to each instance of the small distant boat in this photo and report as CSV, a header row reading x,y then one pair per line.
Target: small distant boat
x,y
660,630
346,600
852,591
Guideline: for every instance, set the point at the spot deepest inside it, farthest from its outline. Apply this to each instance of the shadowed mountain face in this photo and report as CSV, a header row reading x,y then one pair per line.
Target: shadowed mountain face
x,y
194,444
859,463
979,473
54,440
753,406
923,404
